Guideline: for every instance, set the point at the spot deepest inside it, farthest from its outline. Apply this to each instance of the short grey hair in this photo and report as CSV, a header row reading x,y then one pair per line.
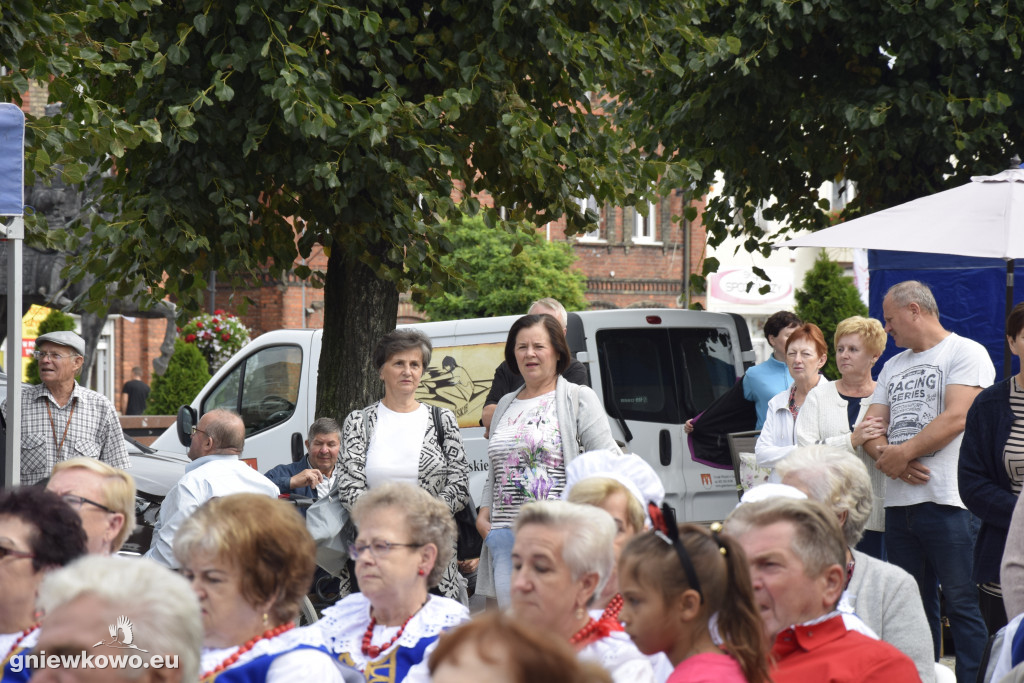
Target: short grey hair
x,y
552,305
818,541
835,477
429,520
397,341
589,536
323,425
226,429
160,603
913,292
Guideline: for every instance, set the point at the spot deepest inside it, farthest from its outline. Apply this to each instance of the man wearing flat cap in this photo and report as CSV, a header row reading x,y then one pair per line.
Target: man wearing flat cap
x,y
61,419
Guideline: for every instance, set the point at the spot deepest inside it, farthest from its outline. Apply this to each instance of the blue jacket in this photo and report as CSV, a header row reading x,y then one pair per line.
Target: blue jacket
x,y
282,476
982,478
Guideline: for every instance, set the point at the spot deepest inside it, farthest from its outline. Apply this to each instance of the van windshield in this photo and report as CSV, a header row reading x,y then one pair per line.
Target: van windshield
x,y
667,376
263,388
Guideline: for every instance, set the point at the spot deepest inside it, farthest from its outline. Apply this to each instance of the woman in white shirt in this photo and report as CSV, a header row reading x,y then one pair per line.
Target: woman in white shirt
x,y
399,439
806,354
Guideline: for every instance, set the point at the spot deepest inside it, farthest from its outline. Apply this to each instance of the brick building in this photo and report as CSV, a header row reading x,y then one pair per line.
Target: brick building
x,y
630,260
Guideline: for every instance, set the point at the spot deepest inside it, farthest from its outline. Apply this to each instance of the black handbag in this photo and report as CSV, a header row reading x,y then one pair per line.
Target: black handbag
x,y
470,543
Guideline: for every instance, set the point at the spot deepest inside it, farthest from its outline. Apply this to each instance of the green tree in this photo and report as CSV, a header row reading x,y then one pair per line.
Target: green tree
x,y
498,281
263,128
186,374
826,298
901,99
55,321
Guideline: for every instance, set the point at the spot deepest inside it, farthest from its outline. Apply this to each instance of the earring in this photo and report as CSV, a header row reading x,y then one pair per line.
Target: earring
x,y
421,572
266,618
580,612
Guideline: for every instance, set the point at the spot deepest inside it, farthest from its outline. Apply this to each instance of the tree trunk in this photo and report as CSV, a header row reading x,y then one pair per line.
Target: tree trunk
x,y
359,308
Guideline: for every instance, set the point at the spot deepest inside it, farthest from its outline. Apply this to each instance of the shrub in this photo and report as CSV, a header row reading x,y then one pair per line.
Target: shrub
x,y
826,298
186,374
55,321
217,336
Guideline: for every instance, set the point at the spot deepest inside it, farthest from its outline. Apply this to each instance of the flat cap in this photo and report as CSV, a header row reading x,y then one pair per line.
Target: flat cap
x,y
64,338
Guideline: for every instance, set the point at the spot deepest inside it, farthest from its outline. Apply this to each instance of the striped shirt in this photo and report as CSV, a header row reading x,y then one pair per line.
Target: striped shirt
x,y
87,426
1013,451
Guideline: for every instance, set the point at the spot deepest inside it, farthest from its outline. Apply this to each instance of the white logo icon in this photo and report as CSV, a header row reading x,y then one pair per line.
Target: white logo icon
x,y
125,641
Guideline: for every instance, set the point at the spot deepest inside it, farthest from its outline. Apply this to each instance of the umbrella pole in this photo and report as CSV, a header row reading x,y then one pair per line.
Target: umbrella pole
x,y
1007,358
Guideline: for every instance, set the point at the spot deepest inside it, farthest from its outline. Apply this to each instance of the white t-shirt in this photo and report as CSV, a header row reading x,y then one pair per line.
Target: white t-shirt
x,y
913,386
394,453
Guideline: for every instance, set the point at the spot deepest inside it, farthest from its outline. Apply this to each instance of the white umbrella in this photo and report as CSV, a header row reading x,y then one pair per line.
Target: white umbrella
x,y
984,218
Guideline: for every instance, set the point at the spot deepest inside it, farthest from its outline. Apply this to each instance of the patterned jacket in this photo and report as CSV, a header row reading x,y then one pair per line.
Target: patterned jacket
x,y
443,474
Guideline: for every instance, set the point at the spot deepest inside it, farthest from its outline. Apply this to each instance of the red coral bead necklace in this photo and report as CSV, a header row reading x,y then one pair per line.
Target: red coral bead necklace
x,y
374,650
266,635
17,641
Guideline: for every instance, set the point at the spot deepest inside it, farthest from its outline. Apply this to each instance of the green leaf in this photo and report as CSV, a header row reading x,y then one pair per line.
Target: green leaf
x,y
202,23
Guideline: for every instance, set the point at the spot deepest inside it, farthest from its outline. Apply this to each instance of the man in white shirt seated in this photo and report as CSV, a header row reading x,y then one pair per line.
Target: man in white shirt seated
x,y
315,474
215,471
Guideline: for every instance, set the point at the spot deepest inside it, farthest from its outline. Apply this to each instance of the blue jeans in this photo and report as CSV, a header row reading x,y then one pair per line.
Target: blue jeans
x,y
873,543
499,542
935,544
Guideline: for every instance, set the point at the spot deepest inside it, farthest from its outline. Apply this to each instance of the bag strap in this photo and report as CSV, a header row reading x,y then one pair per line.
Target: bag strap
x,y
436,414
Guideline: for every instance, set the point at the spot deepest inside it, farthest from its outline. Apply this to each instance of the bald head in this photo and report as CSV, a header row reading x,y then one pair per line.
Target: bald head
x,y
218,431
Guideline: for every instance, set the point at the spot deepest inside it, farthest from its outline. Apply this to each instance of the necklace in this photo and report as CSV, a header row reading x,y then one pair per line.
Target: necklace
x,y
53,427
266,635
594,631
611,611
17,641
374,650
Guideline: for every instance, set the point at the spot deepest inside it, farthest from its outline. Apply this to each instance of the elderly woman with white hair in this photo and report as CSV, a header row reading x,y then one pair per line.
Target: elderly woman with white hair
x,y
884,596
154,610
562,557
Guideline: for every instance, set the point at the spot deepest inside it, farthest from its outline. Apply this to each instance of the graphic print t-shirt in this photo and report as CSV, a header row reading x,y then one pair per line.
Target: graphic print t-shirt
x,y
913,386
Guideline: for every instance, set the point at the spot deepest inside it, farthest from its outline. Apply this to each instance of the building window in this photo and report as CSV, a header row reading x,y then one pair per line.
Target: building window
x,y
595,234
644,227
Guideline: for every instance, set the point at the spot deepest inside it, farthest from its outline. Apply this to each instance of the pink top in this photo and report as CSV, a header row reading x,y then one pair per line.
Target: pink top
x,y
709,667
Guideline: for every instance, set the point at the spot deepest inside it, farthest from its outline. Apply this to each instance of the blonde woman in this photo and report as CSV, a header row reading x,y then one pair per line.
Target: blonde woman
x,y
833,414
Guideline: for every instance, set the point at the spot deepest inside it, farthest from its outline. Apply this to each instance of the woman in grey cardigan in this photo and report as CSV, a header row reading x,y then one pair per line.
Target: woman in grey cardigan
x,y
535,432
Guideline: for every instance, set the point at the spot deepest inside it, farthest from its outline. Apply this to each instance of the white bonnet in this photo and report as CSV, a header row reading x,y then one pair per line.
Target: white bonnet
x,y
628,469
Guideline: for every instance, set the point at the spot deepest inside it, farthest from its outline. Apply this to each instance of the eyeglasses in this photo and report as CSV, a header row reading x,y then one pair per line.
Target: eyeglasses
x,y
78,502
4,552
195,429
44,355
377,549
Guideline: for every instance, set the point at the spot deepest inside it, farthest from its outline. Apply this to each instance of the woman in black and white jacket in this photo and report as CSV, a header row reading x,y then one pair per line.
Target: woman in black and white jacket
x,y
396,439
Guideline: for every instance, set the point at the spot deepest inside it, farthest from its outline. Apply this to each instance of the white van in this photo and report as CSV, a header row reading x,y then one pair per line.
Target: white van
x,y
652,368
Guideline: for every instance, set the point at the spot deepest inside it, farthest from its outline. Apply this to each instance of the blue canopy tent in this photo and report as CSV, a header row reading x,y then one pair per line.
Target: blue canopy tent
x,y
971,293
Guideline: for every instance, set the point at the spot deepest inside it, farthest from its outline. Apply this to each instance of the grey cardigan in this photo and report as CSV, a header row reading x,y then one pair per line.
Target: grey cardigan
x,y
886,598
582,423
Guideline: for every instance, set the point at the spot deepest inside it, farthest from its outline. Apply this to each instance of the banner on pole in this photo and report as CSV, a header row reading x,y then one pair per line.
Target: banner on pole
x,y
12,160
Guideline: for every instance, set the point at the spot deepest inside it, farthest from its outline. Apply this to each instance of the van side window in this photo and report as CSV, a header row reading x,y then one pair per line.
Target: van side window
x,y
263,388
664,375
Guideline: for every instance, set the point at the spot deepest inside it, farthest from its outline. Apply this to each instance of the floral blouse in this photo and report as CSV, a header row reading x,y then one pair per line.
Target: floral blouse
x,y
525,451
